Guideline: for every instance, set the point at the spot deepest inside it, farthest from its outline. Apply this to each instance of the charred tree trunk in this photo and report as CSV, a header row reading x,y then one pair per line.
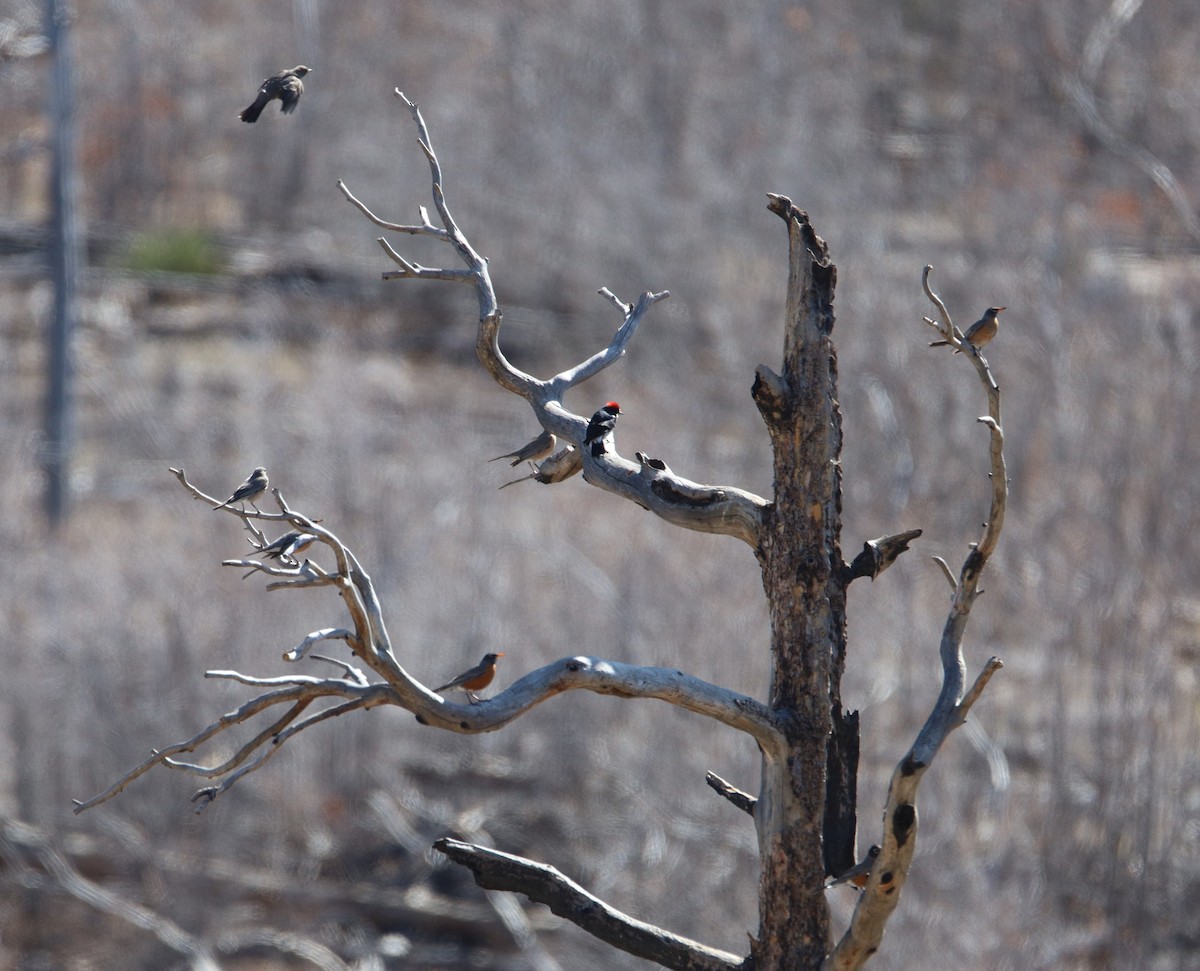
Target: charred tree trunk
x,y
800,555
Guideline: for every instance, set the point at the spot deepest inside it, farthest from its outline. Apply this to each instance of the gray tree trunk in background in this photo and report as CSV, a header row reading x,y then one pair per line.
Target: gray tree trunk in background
x,y
65,257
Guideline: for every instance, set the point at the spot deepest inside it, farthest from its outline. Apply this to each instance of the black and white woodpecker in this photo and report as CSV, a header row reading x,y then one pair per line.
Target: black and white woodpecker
x,y
599,432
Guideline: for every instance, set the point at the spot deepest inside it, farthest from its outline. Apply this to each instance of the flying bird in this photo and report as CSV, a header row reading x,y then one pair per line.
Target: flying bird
x,y
980,332
254,486
476,678
599,432
286,86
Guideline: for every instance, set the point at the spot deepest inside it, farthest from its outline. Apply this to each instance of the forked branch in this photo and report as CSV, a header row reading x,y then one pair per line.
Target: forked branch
x,y
713,509
890,871
294,703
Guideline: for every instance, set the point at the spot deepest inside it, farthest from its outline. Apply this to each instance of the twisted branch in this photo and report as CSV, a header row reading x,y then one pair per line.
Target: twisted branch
x,y
881,895
705,508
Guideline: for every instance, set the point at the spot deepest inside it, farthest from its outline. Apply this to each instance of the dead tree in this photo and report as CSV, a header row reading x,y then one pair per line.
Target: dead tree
x,y
805,811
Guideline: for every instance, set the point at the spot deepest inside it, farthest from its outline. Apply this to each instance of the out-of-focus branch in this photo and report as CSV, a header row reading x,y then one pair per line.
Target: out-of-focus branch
x,y
545,885
705,508
1078,86
890,871
21,838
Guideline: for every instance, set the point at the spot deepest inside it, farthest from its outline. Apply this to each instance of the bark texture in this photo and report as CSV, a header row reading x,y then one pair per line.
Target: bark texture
x,y
804,580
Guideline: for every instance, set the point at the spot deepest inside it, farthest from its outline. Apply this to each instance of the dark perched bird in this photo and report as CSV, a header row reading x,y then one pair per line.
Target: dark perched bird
x,y
475,679
980,332
533,450
858,874
286,86
288,545
600,428
254,486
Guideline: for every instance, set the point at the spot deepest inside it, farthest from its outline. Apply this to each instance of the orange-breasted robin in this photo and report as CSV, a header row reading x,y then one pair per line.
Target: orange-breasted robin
x,y
475,679
254,486
980,332
286,86
858,874
288,545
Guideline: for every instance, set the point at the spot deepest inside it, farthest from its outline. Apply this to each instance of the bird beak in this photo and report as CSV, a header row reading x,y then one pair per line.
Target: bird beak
x,y
499,654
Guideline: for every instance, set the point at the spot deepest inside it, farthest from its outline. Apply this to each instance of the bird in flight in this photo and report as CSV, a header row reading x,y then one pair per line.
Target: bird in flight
x,y
286,86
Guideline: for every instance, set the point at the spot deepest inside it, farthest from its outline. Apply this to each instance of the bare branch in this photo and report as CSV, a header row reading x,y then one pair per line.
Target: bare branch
x,y
878,554
425,229
545,885
743,800
945,567
325,634
713,509
290,695
882,892
581,673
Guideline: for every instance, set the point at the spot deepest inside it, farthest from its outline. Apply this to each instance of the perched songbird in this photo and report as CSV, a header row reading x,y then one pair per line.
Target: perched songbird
x,y
980,332
288,545
254,486
476,679
286,86
600,429
858,874
534,450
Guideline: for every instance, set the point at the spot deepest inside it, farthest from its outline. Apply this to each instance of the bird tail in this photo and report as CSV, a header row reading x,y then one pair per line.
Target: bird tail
x,y
250,115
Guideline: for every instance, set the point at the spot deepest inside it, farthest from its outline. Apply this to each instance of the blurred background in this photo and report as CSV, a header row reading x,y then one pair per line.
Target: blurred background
x,y
1041,156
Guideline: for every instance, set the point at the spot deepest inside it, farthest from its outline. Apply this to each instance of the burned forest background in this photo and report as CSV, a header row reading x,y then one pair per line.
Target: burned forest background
x,y
1043,157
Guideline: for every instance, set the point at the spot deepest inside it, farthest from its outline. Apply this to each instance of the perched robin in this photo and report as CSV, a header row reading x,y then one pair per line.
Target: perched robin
x,y
600,429
858,874
980,332
254,486
288,545
476,679
534,450
286,86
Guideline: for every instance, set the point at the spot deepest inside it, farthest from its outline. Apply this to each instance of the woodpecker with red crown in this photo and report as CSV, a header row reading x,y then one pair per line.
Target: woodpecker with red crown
x,y
599,434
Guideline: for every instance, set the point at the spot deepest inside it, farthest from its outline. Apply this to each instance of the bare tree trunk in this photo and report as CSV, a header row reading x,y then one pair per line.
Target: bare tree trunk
x,y
65,257
800,555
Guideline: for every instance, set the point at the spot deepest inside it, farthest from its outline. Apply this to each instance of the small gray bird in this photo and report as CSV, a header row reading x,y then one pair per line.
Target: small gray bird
x,y
254,486
288,545
532,451
286,86
980,332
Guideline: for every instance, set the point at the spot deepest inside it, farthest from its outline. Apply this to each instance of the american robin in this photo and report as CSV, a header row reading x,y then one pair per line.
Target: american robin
x,y
600,428
858,874
288,545
286,86
534,450
980,332
254,486
476,679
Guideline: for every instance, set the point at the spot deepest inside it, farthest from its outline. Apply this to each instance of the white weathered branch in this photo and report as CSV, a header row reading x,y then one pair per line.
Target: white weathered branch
x,y
890,872
712,509
546,885
288,697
